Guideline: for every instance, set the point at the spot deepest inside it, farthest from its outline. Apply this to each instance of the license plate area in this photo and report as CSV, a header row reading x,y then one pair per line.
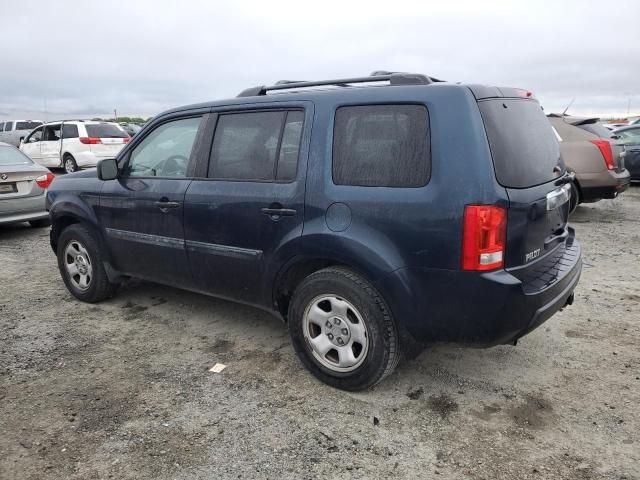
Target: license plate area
x,y
8,188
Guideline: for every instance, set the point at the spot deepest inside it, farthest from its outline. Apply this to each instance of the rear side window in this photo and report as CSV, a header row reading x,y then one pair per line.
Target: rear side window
x,y
524,148
69,131
258,146
381,146
8,126
105,130
28,125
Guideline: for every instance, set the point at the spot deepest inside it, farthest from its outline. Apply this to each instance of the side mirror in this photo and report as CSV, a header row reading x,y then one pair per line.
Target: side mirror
x,y
108,169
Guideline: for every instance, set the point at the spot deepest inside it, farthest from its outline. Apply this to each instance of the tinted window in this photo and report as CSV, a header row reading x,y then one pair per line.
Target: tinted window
x,y
524,148
381,146
12,156
165,152
105,130
35,136
8,126
290,147
597,129
245,146
27,125
69,131
1,127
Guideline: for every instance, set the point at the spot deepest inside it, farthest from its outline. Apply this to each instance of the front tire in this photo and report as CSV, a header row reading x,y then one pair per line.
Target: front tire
x,y
342,330
69,164
80,261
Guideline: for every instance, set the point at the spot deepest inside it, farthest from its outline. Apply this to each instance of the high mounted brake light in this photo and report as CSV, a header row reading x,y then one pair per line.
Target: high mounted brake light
x,y
605,149
483,237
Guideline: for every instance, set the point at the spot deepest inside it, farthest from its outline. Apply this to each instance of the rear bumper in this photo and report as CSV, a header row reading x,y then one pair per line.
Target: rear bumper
x,y
483,309
594,187
22,209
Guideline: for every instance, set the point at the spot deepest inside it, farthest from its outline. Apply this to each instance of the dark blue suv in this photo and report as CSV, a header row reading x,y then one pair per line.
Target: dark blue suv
x,y
366,212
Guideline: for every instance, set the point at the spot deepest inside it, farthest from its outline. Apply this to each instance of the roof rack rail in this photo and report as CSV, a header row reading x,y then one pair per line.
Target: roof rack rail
x,y
394,78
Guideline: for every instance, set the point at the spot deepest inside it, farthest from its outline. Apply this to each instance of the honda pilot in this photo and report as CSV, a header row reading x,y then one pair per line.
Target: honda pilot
x,y
367,213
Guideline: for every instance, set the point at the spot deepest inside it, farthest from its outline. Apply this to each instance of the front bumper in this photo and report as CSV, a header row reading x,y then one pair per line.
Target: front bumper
x,y
483,309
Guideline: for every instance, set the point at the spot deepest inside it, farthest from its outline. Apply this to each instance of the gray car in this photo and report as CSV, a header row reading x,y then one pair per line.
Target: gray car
x,y
23,185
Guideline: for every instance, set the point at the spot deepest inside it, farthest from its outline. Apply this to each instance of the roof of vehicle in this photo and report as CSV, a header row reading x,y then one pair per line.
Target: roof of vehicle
x,y
288,90
84,122
20,120
628,127
575,121
2,144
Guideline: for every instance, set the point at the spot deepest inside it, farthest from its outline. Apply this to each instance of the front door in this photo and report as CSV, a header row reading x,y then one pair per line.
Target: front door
x,y
142,210
31,145
251,202
50,145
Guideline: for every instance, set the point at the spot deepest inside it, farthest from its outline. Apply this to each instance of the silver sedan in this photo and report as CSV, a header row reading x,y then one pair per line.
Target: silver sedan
x,y
23,185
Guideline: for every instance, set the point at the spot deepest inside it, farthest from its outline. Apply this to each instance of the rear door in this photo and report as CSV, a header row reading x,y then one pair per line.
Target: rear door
x,y
527,162
51,144
251,201
142,210
105,139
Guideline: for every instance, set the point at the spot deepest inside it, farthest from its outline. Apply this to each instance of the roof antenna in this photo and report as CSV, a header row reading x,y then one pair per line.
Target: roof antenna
x,y
570,103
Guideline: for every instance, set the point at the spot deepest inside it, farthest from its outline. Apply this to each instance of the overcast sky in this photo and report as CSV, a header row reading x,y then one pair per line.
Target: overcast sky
x,y
84,58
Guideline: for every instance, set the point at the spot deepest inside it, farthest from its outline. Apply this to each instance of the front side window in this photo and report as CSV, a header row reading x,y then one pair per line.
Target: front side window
x,y
35,136
8,126
381,146
631,136
165,152
1,127
257,146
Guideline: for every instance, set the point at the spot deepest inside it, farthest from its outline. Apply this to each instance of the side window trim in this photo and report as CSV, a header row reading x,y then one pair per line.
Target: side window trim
x,y
270,108
125,157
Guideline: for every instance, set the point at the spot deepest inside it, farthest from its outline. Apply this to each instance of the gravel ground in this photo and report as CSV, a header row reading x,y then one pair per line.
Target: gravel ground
x,y
122,389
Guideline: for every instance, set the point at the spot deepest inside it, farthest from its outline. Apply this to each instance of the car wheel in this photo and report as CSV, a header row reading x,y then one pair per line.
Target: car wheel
x,y
70,164
43,222
575,199
80,261
342,330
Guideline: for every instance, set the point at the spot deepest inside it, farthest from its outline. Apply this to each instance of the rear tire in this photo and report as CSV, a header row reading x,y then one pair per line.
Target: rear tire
x,y
43,222
80,261
69,163
342,330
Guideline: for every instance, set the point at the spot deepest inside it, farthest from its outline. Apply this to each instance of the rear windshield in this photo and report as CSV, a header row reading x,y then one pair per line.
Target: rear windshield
x,y
105,130
12,156
524,148
27,125
596,128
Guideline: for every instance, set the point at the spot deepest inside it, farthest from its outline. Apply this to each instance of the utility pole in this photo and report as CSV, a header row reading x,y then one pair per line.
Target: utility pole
x,y
629,106
115,115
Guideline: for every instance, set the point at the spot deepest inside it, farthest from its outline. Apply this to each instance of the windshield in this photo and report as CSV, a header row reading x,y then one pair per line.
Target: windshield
x,y
524,148
12,156
105,130
27,125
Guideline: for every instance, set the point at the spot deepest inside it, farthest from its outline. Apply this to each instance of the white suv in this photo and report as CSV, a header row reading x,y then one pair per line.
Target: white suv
x,y
74,144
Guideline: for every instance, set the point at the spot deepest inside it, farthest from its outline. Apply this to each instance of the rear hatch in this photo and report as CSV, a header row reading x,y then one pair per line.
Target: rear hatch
x,y
527,163
106,139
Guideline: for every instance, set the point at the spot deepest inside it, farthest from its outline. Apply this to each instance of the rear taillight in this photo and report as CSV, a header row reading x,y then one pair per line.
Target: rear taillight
x,y
605,149
44,181
90,140
483,237
126,139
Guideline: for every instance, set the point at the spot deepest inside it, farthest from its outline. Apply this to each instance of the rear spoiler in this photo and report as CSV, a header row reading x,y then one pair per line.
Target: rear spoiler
x,y
575,121
483,92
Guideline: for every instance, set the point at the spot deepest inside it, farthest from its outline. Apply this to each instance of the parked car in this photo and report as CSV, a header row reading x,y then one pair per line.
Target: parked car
x,y
74,144
353,213
613,126
23,184
131,128
630,138
596,159
13,131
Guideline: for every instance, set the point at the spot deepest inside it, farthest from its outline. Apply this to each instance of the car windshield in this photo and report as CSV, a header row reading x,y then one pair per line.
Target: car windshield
x,y
12,156
27,125
105,130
